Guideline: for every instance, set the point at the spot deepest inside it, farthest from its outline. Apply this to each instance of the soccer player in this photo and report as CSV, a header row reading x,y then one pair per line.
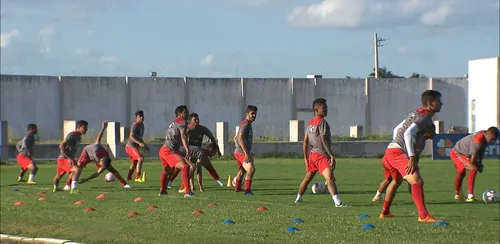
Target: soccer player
x,y
68,148
321,157
401,158
243,146
170,156
202,158
467,154
132,148
26,148
95,153
419,147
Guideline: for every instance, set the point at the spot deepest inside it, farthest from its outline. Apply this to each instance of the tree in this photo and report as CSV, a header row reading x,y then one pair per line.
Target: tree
x,y
384,73
417,75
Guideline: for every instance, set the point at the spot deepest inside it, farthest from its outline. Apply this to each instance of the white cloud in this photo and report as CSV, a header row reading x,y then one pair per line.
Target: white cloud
x,y
6,37
207,61
46,34
370,13
109,60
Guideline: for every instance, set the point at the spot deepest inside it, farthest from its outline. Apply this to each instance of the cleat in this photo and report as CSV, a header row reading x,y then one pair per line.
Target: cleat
x,y
163,194
74,191
298,201
457,197
341,205
21,180
57,189
169,185
428,219
139,180
385,216
188,195
127,186
31,182
182,190
249,193
67,187
472,199
375,199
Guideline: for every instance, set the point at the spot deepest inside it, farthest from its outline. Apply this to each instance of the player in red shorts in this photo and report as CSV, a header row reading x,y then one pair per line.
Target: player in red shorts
x,y
467,154
25,156
135,142
202,158
95,153
401,157
170,156
243,146
321,157
419,147
68,148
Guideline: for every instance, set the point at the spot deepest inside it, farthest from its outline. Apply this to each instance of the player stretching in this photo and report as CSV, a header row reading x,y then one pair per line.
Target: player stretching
x,y
401,159
170,157
243,146
467,154
132,148
96,153
211,150
65,161
321,157
26,152
419,147
195,140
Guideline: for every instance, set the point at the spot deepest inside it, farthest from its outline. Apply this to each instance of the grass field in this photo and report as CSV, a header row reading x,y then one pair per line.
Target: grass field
x,y
275,187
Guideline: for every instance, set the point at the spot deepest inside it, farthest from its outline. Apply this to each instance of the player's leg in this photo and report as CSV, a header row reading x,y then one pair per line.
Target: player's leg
x,y
240,157
117,175
181,164
459,164
207,163
76,170
192,168
471,179
327,172
21,175
33,169
172,176
199,176
250,172
56,180
22,171
164,177
131,170
385,183
391,191
303,185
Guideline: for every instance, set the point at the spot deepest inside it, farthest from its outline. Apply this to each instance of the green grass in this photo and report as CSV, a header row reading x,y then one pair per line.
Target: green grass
x,y
275,187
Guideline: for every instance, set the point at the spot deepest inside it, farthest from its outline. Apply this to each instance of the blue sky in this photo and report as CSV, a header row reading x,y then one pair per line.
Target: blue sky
x,y
245,38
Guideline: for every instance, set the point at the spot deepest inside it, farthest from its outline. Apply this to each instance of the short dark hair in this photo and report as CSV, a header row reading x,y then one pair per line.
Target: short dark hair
x,y
318,102
180,109
31,127
139,113
192,115
81,123
429,96
251,108
493,130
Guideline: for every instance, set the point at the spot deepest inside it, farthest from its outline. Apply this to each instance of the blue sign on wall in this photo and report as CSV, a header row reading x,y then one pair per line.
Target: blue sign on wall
x,y
443,143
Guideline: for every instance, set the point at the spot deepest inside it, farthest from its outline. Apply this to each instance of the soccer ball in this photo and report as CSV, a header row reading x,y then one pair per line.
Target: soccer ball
x,y
234,182
109,177
318,188
490,196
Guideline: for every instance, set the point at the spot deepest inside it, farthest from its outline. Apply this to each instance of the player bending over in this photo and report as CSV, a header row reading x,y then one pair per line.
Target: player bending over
x,y
243,146
211,150
401,160
135,142
419,148
321,157
95,153
467,154
170,154
26,149
68,148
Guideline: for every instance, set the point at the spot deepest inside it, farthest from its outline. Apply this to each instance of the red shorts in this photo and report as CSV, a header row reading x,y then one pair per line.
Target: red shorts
x,y
397,160
23,161
389,172
63,166
169,158
133,153
240,158
317,162
85,159
460,161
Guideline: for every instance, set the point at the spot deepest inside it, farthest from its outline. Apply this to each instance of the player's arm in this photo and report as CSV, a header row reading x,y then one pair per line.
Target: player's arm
x,y
101,132
241,139
183,132
63,146
305,148
209,134
395,131
133,133
409,138
325,141
475,152
93,175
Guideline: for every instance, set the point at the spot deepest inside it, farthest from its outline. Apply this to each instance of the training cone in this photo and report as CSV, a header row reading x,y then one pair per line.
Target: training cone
x,y
133,214
18,203
297,220
261,209
229,184
152,207
144,176
367,227
364,216
100,196
291,229
89,209
227,222
440,223
41,193
42,199
78,203
197,211
138,199
212,204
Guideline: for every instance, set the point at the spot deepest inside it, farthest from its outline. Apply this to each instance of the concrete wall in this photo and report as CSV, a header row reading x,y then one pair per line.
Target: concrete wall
x,y
378,105
484,88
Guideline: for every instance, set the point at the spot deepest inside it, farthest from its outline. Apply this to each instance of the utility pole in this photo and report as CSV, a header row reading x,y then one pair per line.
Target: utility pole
x,y
377,42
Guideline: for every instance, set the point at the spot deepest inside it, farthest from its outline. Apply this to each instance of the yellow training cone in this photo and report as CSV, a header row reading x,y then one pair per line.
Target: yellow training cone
x,y
144,176
229,184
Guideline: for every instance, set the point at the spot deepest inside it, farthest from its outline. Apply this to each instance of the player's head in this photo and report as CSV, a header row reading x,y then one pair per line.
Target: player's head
x,y
491,134
182,111
212,149
251,113
82,126
193,120
320,108
32,128
139,116
431,100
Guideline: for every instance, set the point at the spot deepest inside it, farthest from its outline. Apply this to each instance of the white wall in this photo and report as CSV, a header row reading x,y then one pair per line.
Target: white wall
x,y
484,88
454,91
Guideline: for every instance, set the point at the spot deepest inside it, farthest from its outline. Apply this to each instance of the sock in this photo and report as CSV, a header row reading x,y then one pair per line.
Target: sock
x,y
377,194
387,207
417,192
299,197
163,181
19,178
56,187
336,199
129,176
174,175
248,185
214,174
238,184
68,181
138,175
220,183
185,179
458,183
32,177
74,184
469,196
122,181
471,178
